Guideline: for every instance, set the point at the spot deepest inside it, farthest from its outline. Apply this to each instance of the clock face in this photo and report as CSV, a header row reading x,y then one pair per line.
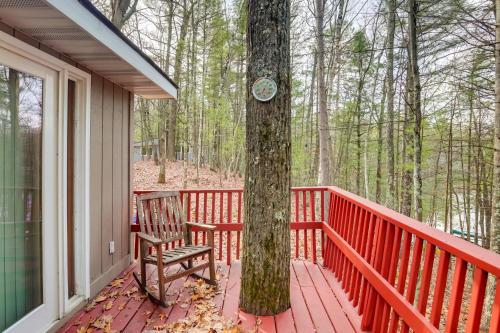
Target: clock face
x,y
264,89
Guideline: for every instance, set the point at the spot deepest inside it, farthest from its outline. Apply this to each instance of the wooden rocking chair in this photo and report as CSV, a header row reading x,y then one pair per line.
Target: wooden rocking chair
x,y
162,222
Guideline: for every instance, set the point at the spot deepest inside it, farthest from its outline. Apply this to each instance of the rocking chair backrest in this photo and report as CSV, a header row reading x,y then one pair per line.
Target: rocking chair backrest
x,y
160,215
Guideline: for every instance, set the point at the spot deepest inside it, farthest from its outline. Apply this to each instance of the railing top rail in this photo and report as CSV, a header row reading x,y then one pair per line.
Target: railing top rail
x,y
185,190
298,188
476,255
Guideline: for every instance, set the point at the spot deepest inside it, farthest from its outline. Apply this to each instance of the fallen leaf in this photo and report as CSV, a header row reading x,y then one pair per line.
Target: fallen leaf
x,y
84,329
100,298
90,306
108,305
117,282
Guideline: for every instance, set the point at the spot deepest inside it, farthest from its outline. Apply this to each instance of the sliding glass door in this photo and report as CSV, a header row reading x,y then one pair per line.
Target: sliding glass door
x,y
27,225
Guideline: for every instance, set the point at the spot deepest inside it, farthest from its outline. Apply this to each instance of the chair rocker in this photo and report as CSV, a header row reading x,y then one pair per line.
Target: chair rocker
x,y
161,223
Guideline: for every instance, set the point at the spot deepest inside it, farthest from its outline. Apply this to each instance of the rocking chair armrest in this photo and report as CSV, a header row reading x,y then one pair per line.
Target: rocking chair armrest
x,y
150,239
201,226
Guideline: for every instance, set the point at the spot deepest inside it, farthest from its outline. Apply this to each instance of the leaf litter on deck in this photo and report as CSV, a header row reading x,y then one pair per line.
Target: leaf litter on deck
x,y
205,317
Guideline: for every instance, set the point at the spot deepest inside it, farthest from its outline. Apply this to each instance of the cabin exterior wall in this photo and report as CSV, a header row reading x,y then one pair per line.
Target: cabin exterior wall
x,y
110,175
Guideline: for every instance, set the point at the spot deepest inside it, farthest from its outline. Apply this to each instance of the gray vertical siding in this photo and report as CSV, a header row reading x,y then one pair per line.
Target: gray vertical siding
x,y
109,179
96,144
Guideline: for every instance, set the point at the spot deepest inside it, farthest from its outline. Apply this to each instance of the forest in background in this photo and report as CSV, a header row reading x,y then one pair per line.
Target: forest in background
x,y
392,100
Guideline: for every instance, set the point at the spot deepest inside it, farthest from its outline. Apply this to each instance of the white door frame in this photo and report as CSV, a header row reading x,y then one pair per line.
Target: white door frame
x,y
54,169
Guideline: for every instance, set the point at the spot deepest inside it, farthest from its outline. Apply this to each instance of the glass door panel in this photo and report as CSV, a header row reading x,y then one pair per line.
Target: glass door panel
x,y
21,252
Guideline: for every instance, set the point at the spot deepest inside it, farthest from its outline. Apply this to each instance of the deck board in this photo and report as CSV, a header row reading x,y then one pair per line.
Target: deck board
x,y
285,322
300,312
332,306
267,324
317,311
316,304
232,294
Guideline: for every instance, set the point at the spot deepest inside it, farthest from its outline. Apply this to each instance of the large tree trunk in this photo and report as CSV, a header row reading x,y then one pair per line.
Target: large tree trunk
x,y
495,220
265,280
324,177
391,25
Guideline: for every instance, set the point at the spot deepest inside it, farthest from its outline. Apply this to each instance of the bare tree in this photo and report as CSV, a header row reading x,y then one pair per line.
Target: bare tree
x,y
415,106
495,220
324,177
121,11
391,27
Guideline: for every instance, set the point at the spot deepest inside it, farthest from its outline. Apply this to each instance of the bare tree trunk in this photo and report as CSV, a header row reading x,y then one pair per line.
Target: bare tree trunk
x,y
181,45
406,181
495,221
391,26
309,127
265,279
432,213
324,177
380,124
121,11
199,144
164,105
448,211
416,107
334,78
358,130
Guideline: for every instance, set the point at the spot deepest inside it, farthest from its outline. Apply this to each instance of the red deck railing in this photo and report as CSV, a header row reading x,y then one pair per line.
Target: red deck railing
x,y
224,209
398,273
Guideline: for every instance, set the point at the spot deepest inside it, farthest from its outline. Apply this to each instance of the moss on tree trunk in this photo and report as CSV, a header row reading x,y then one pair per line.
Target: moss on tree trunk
x,y
265,284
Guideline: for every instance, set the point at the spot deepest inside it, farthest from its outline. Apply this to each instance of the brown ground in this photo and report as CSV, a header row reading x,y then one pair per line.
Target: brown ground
x,y
146,177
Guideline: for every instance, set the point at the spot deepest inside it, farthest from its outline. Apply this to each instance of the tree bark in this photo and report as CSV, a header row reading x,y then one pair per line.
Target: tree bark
x,y
416,107
495,220
324,177
121,11
391,26
172,118
407,169
163,107
265,280
380,124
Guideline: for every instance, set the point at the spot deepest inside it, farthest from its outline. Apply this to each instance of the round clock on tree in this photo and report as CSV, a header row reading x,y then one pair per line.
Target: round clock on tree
x,y
264,89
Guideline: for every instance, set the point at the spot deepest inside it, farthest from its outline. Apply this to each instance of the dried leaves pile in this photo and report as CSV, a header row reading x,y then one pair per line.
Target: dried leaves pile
x,y
106,299
205,317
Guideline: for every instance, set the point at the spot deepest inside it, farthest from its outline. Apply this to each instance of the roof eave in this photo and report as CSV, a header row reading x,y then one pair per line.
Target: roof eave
x,y
85,15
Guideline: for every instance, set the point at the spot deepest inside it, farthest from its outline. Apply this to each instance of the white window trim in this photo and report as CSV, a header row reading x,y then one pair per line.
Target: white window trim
x,y
82,171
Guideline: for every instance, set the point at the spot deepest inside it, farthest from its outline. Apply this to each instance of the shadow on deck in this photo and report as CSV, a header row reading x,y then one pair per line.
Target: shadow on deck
x,y
318,304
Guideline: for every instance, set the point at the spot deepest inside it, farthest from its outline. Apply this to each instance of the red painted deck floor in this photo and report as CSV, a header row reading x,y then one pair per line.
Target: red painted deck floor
x,y
318,304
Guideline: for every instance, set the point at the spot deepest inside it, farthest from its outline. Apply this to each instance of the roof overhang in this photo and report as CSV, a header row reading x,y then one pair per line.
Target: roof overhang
x,y
78,30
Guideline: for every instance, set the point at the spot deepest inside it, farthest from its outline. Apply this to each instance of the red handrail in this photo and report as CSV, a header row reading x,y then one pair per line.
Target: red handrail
x,y
394,270
385,261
